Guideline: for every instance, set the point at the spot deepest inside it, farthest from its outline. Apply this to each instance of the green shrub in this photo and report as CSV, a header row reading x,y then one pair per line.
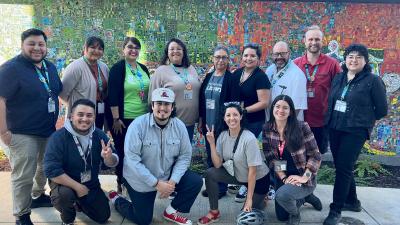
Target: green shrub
x,y
369,168
326,175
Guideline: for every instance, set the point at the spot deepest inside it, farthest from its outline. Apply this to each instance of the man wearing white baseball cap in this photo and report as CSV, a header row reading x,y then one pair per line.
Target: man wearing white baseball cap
x,y
157,157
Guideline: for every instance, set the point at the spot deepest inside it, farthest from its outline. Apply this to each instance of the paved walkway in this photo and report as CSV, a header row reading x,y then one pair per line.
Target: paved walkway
x,y
381,206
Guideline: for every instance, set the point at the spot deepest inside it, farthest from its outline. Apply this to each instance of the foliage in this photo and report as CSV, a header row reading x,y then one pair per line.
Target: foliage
x,y
369,168
326,175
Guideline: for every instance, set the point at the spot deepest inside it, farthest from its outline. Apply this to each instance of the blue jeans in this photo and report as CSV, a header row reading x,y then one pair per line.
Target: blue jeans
x,y
190,130
140,210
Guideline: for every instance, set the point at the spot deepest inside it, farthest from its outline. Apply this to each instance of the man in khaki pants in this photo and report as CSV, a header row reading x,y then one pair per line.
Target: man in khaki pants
x,y
29,88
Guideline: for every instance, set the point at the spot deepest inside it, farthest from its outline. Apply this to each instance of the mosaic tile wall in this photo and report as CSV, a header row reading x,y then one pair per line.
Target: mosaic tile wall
x,y
203,24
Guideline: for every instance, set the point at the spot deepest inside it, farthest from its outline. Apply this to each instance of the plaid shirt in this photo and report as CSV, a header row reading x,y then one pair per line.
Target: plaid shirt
x,y
308,156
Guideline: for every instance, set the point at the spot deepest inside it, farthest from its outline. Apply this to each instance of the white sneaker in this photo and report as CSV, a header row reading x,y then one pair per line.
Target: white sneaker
x,y
241,195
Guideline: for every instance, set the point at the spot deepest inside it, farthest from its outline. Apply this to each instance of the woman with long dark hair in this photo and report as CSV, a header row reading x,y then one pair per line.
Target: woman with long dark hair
x,y
127,96
247,166
356,100
177,74
292,153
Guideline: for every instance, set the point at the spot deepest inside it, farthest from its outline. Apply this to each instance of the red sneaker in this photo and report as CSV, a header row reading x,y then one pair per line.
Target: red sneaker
x,y
174,217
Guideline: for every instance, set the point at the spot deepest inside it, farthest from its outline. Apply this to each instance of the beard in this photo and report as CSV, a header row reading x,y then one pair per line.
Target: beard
x,y
34,61
317,47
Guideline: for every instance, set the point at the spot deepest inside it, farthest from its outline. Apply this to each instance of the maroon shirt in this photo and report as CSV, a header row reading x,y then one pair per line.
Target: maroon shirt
x,y
328,67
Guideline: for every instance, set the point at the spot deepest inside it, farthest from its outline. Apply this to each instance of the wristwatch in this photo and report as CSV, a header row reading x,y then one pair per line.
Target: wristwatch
x,y
308,174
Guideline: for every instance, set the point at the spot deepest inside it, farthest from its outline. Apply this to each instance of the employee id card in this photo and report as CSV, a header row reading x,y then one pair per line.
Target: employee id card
x,y
310,92
86,176
340,106
100,107
210,104
51,105
280,165
188,94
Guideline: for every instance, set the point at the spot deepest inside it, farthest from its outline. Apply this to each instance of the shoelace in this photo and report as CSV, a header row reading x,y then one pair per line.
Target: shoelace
x,y
179,218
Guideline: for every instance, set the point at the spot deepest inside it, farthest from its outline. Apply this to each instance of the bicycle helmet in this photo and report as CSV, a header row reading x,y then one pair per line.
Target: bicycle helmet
x,y
255,217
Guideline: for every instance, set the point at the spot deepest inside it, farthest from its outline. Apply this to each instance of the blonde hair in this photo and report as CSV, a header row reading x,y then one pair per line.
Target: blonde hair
x,y
314,27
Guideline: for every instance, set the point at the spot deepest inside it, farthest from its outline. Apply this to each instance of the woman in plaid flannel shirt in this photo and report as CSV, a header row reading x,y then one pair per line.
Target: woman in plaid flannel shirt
x,y
292,153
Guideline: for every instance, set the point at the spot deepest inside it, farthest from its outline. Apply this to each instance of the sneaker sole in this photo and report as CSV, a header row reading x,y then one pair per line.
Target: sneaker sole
x,y
240,200
173,221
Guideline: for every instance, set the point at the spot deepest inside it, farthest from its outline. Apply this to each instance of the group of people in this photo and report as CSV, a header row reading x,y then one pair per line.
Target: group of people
x,y
298,106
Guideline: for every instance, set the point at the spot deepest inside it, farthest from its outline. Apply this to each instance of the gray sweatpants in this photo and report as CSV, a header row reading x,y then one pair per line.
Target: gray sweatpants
x,y
27,177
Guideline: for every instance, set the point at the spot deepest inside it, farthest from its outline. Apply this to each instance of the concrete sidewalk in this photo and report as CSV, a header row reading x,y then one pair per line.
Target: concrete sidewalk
x,y
381,206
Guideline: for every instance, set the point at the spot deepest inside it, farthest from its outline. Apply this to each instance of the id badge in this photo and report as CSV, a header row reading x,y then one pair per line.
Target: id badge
x,y
310,92
86,176
100,107
51,105
340,106
188,94
210,104
280,165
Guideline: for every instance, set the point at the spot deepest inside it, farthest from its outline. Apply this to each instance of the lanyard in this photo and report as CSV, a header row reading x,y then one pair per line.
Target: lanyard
x,y
81,152
99,80
345,89
184,77
281,147
45,81
279,74
311,77
138,75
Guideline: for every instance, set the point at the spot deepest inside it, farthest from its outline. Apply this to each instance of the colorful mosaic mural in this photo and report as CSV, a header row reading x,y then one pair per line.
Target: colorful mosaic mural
x,y
204,24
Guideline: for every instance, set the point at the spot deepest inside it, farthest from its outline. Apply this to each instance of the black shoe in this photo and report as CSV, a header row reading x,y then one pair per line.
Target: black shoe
x,y
333,218
24,220
355,207
294,220
42,201
314,201
205,194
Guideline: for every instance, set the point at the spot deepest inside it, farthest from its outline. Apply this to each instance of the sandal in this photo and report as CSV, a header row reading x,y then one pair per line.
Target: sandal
x,y
205,220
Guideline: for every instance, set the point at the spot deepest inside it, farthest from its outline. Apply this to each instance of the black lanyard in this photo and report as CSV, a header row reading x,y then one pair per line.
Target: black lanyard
x,y
88,150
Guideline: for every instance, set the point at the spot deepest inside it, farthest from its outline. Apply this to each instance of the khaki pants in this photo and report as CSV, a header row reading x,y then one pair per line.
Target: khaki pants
x,y
27,177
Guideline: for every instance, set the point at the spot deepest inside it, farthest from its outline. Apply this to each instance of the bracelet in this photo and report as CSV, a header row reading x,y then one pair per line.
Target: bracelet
x,y
156,183
283,179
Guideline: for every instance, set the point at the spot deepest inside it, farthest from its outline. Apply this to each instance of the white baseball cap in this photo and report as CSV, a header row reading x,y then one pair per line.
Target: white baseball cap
x,y
163,95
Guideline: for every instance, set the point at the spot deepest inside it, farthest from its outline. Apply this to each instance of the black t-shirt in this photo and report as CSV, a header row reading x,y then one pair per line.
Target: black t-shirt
x,y
27,99
290,166
248,91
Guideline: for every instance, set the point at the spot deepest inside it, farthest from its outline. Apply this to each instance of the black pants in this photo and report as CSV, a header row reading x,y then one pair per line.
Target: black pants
x,y
119,140
321,136
140,210
345,148
94,205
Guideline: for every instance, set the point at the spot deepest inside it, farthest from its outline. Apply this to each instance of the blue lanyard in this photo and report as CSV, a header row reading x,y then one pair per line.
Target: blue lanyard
x,y
345,89
45,81
279,74
311,77
138,75
99,80
184,77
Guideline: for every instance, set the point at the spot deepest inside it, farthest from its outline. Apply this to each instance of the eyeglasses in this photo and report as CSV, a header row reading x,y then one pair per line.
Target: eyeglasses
x,y
282,54
223,58
132,47
231,103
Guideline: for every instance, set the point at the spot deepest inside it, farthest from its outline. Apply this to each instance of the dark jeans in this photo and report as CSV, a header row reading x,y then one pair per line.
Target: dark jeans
x,y
119,140
321,136
215,175
190,130
140,210
222,187
345,148
94,205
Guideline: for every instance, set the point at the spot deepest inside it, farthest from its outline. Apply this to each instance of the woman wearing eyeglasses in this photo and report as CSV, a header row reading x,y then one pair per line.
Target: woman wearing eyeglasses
x,y
252,85
127,95
214,91
238,146
87,77
292,153
177,74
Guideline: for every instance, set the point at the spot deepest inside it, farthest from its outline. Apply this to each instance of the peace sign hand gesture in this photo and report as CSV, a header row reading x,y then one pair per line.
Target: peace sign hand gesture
x,y
106,151
210,135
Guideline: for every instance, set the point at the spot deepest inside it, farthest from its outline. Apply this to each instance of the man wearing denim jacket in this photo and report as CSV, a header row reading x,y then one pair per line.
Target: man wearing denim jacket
x,y
157,157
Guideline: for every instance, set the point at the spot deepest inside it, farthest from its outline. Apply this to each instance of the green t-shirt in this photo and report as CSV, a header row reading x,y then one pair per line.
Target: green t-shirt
x,y
134,106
